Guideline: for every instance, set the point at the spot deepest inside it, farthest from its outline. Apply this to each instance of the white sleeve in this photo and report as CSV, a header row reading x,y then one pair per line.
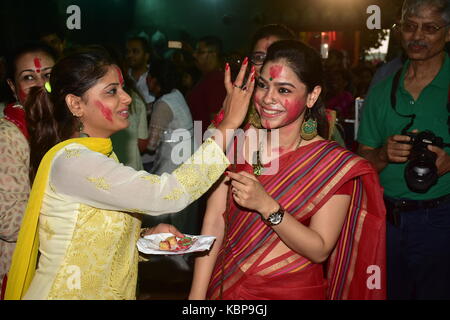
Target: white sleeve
x,y
99,181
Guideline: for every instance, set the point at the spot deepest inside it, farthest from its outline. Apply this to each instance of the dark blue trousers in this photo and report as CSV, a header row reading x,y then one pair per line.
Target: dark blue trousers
x,y
418,255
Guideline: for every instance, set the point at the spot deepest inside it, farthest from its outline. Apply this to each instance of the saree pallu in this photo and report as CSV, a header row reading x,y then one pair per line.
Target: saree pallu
x,y
307,178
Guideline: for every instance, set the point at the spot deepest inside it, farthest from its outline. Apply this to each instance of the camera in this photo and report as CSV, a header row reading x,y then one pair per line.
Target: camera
x,y
421,171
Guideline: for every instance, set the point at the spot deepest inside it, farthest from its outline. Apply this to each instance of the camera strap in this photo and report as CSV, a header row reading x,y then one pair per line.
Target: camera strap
x,y
395,84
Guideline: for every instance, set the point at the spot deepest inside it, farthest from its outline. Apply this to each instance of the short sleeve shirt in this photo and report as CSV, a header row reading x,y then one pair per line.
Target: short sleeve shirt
x,y
379,121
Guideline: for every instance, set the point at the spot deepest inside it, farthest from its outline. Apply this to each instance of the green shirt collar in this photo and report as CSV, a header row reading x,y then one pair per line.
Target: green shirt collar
x,y
442,79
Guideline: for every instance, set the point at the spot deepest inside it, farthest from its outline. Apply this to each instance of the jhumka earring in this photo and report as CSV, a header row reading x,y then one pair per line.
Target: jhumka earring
x,y
80,129
309,127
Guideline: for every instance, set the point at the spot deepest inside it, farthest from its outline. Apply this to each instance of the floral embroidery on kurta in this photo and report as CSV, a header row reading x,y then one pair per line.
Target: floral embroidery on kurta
x,y
99,183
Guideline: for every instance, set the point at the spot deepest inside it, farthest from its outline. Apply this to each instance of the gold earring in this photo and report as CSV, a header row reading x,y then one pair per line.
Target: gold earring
x,y
80,130
309,127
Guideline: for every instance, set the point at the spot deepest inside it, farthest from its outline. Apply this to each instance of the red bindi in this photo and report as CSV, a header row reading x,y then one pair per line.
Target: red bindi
x,y
37,64
275,72
107,113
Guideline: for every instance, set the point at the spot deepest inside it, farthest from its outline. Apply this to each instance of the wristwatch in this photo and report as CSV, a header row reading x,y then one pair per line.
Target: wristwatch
x,y
274,218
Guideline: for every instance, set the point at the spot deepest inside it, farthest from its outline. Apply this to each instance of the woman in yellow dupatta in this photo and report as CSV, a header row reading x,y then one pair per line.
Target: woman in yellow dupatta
x,y
83,211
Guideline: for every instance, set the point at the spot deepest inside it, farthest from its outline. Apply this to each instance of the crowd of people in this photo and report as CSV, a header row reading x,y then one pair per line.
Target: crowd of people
x,y
87,166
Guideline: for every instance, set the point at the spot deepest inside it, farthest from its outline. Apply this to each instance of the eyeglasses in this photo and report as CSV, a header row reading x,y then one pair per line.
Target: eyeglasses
x,y
409,27
257,58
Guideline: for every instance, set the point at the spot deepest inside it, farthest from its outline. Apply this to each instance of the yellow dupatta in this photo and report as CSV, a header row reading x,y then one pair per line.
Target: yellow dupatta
x,y
24,260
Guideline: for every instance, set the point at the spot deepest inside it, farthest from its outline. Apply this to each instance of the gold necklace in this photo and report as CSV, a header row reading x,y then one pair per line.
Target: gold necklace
x,y
258,167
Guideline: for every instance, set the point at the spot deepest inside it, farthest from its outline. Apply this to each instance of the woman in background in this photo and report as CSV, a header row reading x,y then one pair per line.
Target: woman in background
x,y
29,66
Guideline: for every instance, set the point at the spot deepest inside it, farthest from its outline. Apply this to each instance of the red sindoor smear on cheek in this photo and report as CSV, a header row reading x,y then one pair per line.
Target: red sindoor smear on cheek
x,y
293,109
107,113
275,71
37,64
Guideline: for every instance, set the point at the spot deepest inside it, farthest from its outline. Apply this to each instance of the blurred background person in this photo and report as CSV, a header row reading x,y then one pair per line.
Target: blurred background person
x,y
206,97
3,86
337,94
170,119
138,58
55,40
28,66
263,38
185,63
362,77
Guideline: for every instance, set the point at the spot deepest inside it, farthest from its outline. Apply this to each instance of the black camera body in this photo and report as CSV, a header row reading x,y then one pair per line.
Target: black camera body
x,y
421,171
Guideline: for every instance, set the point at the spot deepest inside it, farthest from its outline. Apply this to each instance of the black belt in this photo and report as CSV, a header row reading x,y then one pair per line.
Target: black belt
x,y
395,206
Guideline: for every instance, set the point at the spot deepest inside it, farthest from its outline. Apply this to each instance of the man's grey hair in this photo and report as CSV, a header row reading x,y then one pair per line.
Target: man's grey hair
x,y
411,7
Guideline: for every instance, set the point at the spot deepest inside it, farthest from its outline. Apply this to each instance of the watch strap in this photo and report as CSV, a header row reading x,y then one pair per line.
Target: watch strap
x,y
277,216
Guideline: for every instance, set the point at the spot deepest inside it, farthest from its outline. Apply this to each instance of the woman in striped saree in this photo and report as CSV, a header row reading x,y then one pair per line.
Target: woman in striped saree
x,y
306,221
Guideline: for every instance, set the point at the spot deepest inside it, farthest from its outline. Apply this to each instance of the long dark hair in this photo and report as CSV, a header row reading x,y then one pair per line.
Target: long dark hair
x,y
49,120
307,65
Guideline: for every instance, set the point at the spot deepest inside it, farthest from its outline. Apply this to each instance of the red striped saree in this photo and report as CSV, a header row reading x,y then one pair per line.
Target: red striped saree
x,y
306,179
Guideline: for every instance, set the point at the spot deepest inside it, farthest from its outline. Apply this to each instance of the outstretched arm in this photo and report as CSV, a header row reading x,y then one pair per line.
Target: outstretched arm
x,y
91,178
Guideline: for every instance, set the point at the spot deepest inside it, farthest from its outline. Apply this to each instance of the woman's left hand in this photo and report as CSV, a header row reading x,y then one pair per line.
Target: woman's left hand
x,y
249,193
162,228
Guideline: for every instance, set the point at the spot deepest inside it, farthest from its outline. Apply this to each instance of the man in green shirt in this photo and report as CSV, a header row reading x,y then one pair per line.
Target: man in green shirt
x,y
418,231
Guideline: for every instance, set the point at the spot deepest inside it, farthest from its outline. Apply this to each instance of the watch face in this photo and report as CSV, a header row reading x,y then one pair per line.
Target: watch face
x,y
275,218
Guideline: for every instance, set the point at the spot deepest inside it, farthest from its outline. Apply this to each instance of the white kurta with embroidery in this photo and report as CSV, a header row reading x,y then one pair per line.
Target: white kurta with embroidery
x,y
89,221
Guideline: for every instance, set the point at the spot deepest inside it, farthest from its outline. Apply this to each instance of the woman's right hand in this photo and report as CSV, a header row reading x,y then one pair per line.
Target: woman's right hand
x,y
238,97
162,228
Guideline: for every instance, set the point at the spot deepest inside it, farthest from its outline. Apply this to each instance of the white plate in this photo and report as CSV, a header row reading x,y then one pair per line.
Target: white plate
x,y
150,244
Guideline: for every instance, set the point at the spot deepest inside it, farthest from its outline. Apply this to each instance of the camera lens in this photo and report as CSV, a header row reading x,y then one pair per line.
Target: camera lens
x,y
421,171
420,175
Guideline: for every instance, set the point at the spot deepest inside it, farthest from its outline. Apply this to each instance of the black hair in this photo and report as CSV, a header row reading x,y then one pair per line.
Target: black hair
x,y
167,75
213,43
272,30
47,32
49,119
144,43
306,63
